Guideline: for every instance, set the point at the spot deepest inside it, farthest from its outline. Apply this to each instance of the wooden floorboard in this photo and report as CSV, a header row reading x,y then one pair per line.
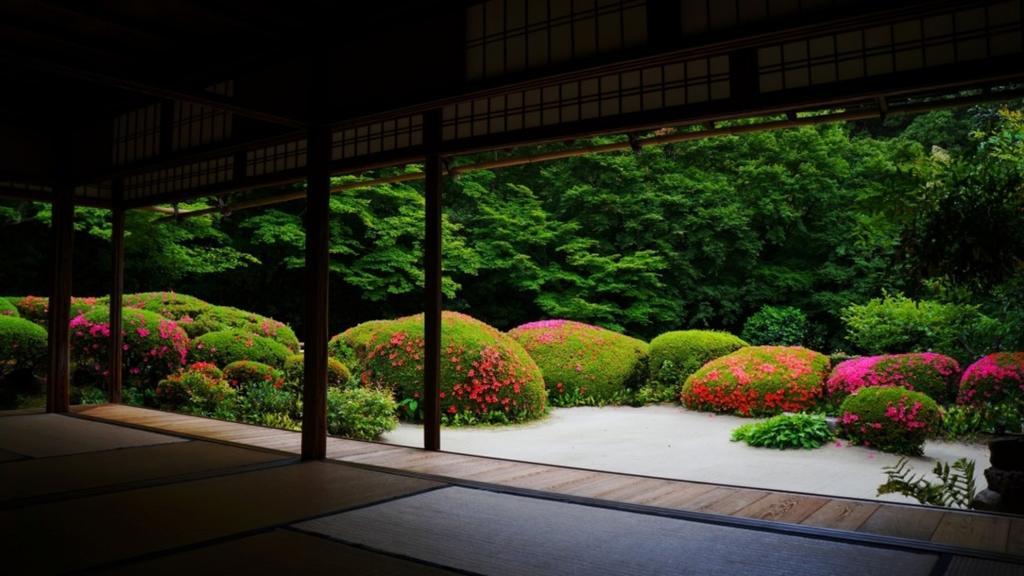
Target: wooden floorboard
x,y
969,530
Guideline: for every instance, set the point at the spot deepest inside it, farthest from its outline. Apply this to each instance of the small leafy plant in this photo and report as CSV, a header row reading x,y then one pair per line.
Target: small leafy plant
x,y
955,488
785,431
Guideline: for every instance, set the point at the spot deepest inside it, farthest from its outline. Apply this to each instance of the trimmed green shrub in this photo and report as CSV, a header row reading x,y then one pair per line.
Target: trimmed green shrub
x,y
890,419
759,380
674,356
226,346
338,375
35,308
244,373
776,326
181,308
934,374
219,318
583,360
22,345
153,346
896,324
784,431
8,309
360,413
486,376
352,344
996,378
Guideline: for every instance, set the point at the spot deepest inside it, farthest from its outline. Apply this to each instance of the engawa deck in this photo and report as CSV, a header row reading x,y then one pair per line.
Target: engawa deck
x,y
979,532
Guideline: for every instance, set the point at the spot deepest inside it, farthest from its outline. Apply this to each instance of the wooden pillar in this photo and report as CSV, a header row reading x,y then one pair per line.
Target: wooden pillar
x,y
314,391
432,292
58,379
116,367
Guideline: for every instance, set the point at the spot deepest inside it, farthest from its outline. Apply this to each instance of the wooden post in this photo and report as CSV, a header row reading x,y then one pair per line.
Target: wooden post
x,y
314,391
58,380
116,292
432,292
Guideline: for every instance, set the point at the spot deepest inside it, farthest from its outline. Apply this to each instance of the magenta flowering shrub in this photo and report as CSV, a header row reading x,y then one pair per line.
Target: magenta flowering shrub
x,y
996,378
890,419
583,360
153,346
933,374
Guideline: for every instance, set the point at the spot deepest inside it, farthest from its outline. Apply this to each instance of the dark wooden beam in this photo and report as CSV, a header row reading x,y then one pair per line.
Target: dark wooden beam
x,y
314,390
432,283
116,367
58,378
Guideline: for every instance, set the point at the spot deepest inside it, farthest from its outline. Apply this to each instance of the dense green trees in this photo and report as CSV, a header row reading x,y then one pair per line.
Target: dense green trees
x,y
692,235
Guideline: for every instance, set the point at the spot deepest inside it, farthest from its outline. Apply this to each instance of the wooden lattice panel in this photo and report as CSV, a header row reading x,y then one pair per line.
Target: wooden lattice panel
x,y
376,137
196,175
277,158
508,36
703,16
136,135
197,124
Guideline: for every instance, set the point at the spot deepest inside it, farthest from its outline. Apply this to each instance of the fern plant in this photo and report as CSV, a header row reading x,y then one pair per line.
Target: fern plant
x,y
955,488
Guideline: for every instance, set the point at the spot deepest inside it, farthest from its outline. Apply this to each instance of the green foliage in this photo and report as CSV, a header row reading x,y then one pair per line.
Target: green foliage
x,y
36,308
485,375
8,309
896,323
758,380
785,431
584,361
199,389
265,404
217,318
338,375
153,346
674,356
22,345
360,413
245,373
226,346
966,423
776,325
889,419
955,487
181,308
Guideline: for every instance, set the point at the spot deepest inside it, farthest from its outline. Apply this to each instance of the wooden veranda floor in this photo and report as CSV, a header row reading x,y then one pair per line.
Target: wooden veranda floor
x,y
928,528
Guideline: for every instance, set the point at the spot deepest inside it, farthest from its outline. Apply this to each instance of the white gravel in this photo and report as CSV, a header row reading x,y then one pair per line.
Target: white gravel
x,y
672,442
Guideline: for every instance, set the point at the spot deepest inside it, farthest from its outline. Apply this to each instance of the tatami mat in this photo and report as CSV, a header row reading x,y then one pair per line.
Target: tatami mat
x,y
41,435
6,456
277,553
503,534
84,532
961,566
34,478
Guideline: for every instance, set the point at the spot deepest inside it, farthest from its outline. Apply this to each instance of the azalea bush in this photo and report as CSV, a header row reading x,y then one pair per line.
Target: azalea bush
x,y
198,389
338,375
934,374
890,419
8,309
777,326
181,308
226,346
785,431
486,376
219,318
153,346
244,373
758,380
580,361
673,356
36,308
360,413
996,378
23,345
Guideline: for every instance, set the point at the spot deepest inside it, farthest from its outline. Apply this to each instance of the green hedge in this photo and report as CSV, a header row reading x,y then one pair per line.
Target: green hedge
x,y
759,380
581,360
226,346
890,419
23,345
486,376
219,318
674,356
8,309
35,308
338,374
181,308
244,373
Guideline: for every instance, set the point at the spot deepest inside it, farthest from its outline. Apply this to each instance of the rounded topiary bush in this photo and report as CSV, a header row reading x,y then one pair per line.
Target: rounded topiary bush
x,y
219,318
181,308
673,356
200,388
994,379
583,360
486,376
338,374
758,380
8,309
776,325
226,346
891,419
244,373
36,308
934,374
153,345
22,345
